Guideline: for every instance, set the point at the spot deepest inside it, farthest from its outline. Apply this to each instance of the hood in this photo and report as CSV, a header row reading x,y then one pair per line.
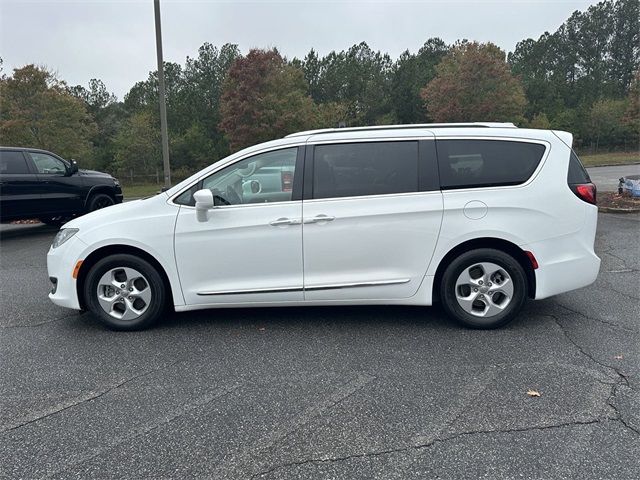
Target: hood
x,y
108,215
93,173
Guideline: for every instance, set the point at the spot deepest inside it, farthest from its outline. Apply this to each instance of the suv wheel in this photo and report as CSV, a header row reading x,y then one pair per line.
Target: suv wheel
x,y
125,292
483,288
53,221
98,201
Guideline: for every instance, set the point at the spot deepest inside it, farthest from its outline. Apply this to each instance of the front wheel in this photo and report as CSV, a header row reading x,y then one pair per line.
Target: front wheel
x,y
53,221
483,288
125,292
98,201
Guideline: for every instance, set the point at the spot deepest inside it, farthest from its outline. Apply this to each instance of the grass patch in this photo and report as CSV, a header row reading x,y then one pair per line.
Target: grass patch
x,y
138,191
614,158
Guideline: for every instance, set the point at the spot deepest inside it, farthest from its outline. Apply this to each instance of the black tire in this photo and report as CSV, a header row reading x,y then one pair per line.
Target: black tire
x,y
98,201
53,221
156,306
467,260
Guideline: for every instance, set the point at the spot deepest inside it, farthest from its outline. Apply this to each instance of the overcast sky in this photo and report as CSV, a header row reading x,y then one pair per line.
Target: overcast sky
x,y
114,40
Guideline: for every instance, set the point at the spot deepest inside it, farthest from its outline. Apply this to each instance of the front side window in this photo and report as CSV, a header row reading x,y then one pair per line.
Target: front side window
x,y
13,163
263,178
484,163
358,169
46,164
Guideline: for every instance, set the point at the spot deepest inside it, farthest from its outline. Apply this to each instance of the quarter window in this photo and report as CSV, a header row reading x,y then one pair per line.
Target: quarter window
x,y
264,178
576,173
13,163
357,169
47,164
483,163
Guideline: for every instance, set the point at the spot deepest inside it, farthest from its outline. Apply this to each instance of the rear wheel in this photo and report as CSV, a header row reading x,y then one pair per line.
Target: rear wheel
x,y
125,292
98,201
483,288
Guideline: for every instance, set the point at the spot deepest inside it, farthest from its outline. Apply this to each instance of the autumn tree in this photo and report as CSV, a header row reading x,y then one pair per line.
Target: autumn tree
x,y
264,98
39,111
473,83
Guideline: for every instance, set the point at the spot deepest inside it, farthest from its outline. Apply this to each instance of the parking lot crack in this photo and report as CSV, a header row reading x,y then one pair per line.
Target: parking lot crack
x,y
424,445
72,403
33,325
598,320
146,429
622,380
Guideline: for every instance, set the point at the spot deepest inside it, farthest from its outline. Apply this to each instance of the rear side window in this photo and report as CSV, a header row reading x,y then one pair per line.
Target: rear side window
x,y
577,173
484,163
12,163
358,169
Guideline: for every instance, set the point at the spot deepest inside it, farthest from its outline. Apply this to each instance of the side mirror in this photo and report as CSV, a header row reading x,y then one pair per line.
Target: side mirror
x,y
204,202
73,168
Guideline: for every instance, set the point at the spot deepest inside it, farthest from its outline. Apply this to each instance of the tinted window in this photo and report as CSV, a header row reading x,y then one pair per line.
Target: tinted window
x,y
48,164
577,173
12,162
481,163
263,178
355,169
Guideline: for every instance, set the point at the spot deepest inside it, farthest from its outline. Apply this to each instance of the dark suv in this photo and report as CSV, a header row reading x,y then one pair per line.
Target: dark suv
x,y
39,184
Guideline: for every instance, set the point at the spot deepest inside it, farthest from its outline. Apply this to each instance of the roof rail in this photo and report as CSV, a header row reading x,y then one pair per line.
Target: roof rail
x,y
404,127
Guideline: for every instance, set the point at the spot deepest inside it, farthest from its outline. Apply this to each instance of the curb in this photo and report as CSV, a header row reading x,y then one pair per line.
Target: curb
x,y
618,210
613,165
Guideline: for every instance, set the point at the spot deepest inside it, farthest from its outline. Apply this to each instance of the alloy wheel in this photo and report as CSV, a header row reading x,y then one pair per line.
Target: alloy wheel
x,y
124,293
484,289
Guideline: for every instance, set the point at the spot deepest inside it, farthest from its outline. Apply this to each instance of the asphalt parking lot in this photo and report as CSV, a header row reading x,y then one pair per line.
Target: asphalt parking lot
x,y
367,392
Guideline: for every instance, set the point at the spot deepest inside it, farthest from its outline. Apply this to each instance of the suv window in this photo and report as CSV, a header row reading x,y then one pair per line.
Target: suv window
x,y
263,178
358,169
483,163
13,163
48,164
577,173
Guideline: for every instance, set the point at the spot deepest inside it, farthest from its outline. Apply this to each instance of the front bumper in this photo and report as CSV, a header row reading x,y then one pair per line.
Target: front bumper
x,y
60,264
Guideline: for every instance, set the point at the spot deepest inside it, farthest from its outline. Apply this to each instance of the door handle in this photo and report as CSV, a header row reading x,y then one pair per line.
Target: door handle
x,y
284,221
320,218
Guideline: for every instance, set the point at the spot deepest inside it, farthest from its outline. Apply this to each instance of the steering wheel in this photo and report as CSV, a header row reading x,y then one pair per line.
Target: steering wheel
x,y
232,197
250,170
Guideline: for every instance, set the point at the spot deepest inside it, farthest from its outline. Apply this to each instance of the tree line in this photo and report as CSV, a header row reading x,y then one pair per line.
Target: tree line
x,y
583,78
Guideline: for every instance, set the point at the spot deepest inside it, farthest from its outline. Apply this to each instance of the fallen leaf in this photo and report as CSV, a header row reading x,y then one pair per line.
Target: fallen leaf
x,y
533,393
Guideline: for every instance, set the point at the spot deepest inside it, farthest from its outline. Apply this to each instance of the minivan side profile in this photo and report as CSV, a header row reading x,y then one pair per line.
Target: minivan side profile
x,y
478,216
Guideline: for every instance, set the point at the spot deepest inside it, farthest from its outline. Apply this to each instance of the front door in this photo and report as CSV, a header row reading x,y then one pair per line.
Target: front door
x,y
250,248
19,190
371,221
61,193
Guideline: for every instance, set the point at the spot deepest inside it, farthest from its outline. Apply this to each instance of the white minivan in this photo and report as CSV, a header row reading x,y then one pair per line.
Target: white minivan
x,y
478,216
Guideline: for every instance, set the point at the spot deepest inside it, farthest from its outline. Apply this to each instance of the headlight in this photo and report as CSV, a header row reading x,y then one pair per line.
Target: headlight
x,y
63,235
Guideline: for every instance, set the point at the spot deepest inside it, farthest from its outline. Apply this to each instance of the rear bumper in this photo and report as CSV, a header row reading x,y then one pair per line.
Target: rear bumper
x,y
566,263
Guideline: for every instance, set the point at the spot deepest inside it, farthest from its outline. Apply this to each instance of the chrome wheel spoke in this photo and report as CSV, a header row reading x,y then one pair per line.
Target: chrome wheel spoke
x,y
107,302
467,302
144,294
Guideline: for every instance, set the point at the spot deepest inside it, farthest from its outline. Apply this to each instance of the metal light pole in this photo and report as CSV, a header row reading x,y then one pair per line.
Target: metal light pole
x,y
163,105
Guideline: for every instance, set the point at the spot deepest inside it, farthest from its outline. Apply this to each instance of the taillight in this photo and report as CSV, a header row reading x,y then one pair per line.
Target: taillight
x,y
585,192
287,181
